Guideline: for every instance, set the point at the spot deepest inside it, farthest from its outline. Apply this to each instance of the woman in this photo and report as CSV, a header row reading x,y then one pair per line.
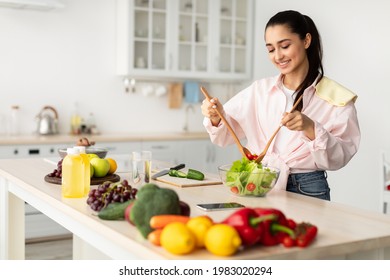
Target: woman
x,y
321,134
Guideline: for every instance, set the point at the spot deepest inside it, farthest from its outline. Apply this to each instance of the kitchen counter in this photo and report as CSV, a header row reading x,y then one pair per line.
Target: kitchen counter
x,y
344,232
108,137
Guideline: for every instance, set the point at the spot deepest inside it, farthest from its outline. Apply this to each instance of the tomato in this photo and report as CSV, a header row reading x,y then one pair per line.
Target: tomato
x,y
249,156
251,187
288,242
291,223
234,189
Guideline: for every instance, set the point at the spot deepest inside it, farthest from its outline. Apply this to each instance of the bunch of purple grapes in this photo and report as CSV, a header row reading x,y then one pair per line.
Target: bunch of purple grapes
x,y
58,171
109,192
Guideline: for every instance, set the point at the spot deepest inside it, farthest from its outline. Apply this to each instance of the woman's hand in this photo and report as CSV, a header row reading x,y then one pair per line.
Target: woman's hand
x,y
209,110
299,122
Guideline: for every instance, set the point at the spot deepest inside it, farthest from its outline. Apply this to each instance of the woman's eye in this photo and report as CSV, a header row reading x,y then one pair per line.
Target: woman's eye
x,y
286,46
271,50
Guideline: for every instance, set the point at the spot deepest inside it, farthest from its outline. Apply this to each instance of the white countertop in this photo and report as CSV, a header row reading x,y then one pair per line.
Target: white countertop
x,y
343,230
105,137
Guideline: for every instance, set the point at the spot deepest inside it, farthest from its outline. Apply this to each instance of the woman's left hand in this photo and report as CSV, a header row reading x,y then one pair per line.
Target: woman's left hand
x,y
299,122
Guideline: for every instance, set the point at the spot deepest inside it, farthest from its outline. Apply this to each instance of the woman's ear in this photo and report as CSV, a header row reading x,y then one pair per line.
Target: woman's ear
x,y
307,41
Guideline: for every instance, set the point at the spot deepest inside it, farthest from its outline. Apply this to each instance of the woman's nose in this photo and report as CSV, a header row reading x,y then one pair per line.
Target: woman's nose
x,y
278,54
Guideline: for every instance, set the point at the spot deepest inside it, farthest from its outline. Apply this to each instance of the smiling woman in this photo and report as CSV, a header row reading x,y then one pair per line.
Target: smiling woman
x,y
320,133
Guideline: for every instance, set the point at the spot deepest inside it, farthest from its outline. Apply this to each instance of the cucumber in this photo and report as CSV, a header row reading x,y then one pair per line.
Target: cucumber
x,y
114,211
177,173
195,175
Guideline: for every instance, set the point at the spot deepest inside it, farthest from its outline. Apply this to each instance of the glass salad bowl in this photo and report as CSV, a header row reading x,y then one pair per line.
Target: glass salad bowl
x,y
247,178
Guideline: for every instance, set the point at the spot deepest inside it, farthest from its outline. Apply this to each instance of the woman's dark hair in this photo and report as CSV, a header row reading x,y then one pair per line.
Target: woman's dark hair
x,y
301,25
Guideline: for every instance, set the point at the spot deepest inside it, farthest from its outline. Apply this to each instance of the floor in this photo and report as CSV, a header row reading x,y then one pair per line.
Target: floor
x,y
57,249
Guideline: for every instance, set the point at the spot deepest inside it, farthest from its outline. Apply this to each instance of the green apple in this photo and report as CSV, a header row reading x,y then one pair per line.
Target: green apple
x,y
100,166
91,156
92,170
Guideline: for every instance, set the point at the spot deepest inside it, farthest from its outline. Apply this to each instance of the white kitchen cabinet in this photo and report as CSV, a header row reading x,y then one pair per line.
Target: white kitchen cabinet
x,y
169,151
24,151
204,155
188,39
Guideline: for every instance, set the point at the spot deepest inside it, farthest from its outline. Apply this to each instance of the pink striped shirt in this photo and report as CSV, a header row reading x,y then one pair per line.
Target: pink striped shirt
x,y
255,113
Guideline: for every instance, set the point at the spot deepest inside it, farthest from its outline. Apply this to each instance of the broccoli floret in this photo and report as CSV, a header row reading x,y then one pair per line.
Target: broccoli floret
x,y
152,200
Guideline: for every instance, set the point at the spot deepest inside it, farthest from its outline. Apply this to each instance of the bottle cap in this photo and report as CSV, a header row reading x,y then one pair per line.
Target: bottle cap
x,y
72,151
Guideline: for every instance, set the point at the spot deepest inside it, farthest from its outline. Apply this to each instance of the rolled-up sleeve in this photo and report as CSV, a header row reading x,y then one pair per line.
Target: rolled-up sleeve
x,y
333,147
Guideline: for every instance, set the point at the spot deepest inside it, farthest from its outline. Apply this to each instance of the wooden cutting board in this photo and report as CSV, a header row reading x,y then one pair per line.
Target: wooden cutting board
x,y
209,179
94,180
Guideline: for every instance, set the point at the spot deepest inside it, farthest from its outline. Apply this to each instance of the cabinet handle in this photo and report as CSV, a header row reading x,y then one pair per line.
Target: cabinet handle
x,y
33,152
159,147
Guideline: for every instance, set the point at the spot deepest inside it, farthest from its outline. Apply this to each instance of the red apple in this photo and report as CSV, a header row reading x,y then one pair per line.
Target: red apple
x,y
184,208
127,213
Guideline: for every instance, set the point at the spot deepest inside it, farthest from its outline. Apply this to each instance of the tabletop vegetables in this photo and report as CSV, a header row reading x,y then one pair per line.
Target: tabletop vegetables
x,y
274,229
246,177
191,174
249,225
152,200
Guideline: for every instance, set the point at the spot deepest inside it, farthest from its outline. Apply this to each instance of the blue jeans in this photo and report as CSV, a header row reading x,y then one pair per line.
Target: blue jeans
x,y
312,184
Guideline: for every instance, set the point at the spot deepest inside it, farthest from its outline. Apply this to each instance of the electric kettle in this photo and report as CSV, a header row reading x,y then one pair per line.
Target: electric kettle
x,y
47,121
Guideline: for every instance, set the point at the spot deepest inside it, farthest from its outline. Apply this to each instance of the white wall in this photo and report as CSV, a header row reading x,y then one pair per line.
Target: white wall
x,y
65,56
355,40
68,55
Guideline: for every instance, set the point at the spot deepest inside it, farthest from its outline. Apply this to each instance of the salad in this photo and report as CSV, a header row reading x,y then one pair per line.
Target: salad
x,y
246,177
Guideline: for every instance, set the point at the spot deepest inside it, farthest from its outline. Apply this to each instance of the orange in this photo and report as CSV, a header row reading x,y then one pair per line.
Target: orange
x,y
113,165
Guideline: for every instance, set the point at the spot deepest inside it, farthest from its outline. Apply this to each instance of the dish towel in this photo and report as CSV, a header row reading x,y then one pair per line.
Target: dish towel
x,y
191,92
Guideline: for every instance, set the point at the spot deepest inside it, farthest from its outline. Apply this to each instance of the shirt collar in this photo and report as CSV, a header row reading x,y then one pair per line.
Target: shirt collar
x,y
278,84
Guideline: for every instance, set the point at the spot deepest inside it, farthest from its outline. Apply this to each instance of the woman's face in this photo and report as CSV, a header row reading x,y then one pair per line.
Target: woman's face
x,y
286,50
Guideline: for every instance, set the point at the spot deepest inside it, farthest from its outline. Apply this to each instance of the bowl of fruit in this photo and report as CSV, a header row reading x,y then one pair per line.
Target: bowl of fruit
x,y
100,152
248,178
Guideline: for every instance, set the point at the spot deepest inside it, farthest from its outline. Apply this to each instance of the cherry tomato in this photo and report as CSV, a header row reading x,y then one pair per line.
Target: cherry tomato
x,y
288,242
251,187
249,156
234,189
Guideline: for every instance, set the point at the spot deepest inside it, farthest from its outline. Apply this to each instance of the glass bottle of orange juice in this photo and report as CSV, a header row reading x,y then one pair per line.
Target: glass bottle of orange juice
x,y
73,174
87,169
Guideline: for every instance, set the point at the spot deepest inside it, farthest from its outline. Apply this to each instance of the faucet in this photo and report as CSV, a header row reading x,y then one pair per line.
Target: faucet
x,y
189,106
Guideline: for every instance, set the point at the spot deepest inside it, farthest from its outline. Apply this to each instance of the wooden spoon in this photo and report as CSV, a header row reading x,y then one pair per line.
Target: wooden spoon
x,y
244,151
262,155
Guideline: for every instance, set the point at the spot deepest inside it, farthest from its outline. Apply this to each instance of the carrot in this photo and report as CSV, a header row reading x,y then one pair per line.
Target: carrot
x,y
154,237
160,221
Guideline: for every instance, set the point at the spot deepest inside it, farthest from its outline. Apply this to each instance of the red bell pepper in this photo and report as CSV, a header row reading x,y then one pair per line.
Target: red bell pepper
x,y
275,230
304,235
248,225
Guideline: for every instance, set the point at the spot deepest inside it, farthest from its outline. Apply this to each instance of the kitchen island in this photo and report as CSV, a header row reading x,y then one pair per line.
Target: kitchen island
x,y
344,232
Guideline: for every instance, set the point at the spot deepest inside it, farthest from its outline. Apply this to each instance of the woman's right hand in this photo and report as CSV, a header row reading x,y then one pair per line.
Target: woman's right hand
x,y
209,110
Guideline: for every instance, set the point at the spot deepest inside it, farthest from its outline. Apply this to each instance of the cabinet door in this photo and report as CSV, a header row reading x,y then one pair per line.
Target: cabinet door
x,y
168,151
207,157
201,39
143,37
193,54
234,42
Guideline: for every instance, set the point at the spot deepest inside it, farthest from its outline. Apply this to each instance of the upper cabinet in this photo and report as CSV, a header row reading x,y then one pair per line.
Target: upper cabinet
x,y
189,39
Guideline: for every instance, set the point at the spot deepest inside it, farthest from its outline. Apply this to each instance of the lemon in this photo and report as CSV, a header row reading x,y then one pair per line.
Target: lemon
x,y
222,240
113,165
177,238
199,226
